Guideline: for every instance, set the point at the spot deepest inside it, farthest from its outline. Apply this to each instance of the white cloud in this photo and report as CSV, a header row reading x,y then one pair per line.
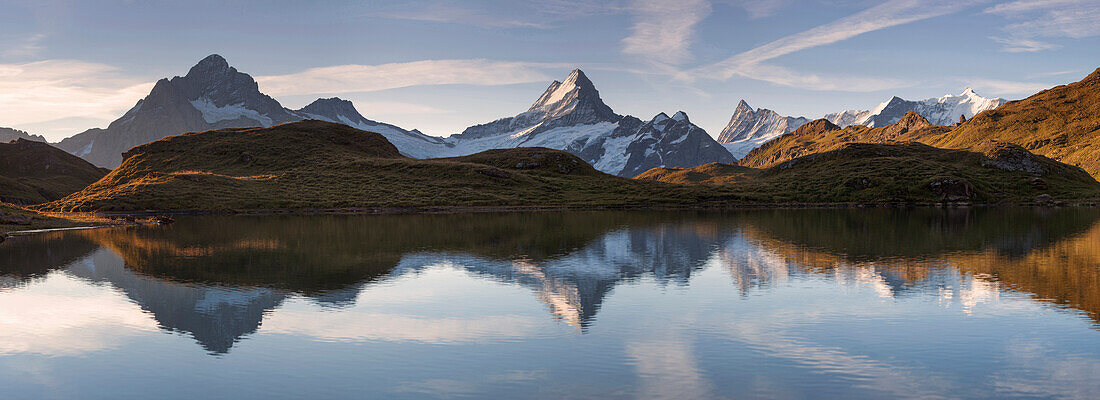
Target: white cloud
x,y
883,16
1046,19
369,78
24,46
1022,45
752,63
759,8
663,30
458,15
55,89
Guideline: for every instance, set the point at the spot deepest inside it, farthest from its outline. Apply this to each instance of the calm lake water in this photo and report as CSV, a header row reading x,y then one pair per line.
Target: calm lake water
x,y
920,303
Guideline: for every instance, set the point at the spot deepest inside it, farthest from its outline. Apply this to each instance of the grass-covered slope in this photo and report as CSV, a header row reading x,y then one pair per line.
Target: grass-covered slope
x,y
34,172
909,173
314,164
710,174
821,135
1062,123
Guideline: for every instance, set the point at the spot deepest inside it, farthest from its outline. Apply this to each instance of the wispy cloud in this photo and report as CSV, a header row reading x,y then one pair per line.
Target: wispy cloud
x,y
759,8
543,14
54,89
1022,45
370,78
753,63
1046,19
448,13
23,46
663,31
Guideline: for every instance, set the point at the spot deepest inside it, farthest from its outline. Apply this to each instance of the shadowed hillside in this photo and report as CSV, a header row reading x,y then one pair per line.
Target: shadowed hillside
x,y
33,172
315,164
909,172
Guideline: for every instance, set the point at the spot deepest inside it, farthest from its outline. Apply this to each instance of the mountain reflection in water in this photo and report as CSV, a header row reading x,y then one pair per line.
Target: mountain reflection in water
x,y
216,278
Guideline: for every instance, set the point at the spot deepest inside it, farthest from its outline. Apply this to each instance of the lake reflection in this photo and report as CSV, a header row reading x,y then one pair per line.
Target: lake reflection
x,y
924,303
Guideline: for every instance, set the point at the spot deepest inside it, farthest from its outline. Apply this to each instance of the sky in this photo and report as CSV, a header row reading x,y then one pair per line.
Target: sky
x,y
442,65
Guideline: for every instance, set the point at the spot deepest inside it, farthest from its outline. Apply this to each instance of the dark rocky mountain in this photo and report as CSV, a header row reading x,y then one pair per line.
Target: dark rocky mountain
x,y
9,134
212,95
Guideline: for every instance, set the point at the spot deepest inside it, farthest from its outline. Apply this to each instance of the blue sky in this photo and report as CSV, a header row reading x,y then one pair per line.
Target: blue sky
x,y
442,65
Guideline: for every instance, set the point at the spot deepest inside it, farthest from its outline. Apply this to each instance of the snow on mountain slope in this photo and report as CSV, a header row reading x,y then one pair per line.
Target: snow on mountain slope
x,y
411,143
570,116
214,95
937,110
748,128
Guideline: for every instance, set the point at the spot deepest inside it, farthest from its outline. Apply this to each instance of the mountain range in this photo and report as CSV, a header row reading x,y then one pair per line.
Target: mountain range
x,y
569,115
9,135
212,95
748,129
944,110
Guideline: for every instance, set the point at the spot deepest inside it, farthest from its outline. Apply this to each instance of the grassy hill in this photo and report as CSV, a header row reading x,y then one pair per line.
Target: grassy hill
x,y
314,164
1062,123
908,172
821,135
34,172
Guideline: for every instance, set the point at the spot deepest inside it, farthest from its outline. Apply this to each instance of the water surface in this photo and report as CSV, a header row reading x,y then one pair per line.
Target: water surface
x,y
918,303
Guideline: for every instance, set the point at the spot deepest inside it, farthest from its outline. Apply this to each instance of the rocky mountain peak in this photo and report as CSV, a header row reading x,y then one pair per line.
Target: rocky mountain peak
x,y
333,106
742,107
211,65
912,120
577,94
681,116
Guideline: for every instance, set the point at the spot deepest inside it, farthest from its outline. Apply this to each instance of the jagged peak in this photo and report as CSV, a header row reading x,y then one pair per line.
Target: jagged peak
x,y
743,105
660,117
817,125
680,116
968,92
211,64
913,120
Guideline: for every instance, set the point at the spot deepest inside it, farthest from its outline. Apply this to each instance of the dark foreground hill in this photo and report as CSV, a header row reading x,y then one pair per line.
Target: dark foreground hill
x,y
33,172
908,172
315,164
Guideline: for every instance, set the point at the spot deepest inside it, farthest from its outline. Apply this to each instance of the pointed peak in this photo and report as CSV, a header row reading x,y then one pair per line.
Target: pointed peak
x,y
743,106
659,118
577,78
969,92
680,116
913,120
213,62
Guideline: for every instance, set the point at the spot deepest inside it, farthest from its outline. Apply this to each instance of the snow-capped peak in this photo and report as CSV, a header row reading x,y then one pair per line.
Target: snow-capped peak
x,y
659,118
680,116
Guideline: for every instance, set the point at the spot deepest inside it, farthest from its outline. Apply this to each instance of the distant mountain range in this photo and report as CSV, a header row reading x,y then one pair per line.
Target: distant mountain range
x,y
748,128
944,110
213,95
9,134
569,116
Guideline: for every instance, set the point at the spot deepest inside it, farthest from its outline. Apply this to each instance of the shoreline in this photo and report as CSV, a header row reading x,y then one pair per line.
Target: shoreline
x,y
149,214
491,209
